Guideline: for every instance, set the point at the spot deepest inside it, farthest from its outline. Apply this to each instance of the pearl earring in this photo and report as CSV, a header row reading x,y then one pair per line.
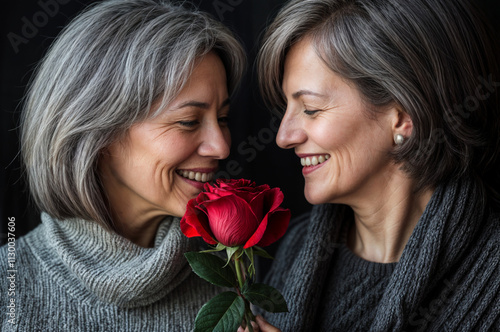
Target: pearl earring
x,y
399,139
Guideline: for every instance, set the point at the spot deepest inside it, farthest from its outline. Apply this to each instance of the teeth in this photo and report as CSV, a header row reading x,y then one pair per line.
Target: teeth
x,y
316,160
196,176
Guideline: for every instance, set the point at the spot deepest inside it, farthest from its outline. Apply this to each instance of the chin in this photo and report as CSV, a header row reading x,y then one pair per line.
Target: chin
x,y
314,198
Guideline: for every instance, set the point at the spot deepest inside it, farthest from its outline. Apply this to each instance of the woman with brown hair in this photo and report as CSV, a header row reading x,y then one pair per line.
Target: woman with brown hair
x,y
392,107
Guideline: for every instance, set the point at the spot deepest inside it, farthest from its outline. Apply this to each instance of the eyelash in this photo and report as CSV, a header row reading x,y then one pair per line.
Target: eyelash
x,y
188,123
223,120
307,112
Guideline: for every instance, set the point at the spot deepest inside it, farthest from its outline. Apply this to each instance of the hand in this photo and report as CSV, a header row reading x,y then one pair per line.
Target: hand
x,y
263,326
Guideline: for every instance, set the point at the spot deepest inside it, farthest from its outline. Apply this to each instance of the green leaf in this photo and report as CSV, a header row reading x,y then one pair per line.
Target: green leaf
x,y
266,297
222,313
211,268
261,252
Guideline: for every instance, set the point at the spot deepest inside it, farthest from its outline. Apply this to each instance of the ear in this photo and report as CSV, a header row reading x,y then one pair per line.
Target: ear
x,y
401,122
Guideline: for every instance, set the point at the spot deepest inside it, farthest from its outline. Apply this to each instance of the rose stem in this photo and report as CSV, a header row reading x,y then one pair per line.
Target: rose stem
x,y
240,265
237,266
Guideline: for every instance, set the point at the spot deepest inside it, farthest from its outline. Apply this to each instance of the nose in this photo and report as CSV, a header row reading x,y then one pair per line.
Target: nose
x,y
216,142
290,133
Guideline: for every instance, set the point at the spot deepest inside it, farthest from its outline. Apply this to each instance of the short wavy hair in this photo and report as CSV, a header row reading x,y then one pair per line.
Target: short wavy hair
x,y
103,73
434,59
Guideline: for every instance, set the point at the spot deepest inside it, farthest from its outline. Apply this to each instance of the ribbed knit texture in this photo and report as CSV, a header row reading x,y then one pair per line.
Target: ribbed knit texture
x,y
352,282
447,279
73,275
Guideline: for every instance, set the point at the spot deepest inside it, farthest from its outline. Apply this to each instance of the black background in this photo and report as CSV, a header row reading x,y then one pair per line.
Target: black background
x,y
254,153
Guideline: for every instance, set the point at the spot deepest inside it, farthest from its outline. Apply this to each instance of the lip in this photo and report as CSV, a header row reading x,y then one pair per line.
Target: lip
x,y
198,185
200,170
306,170
309,169
305,155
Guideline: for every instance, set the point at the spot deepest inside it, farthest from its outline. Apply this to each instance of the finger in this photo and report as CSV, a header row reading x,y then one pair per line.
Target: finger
x,y
255,327
265,326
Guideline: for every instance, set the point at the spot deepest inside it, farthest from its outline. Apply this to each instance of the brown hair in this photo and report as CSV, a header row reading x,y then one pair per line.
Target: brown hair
x,y
433,58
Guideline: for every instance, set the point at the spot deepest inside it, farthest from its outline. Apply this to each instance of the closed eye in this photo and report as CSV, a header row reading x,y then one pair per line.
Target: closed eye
x,y
188,123
311,112
223,119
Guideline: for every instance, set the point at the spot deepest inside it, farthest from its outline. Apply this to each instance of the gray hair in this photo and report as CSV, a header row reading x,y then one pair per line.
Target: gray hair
x,y
104,72
427,57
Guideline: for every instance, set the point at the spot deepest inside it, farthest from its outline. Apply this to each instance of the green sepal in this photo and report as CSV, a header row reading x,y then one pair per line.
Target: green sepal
x,y
211,268
251,267
219,247
265,297
222,313
261,252
230,252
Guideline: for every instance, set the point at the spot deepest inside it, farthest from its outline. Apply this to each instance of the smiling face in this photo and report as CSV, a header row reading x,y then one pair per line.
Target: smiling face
x,y
163,161
343,149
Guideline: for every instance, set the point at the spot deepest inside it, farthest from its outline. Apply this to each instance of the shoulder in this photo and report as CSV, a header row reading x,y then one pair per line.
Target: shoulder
x,y
305,232
22,271
296,228
490,234
311,226
19,254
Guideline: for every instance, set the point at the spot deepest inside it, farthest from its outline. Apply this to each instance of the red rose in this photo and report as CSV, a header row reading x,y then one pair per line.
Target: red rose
x,y
236,213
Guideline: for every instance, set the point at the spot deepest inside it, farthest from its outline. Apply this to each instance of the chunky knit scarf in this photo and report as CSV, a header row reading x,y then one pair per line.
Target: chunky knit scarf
x,y
447,279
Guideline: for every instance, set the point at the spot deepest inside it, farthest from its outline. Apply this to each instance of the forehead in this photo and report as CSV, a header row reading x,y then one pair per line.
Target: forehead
x,y
302,60
305,70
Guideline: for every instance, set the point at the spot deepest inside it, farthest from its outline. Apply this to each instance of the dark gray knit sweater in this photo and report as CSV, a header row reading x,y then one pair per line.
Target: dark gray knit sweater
x,y
73,275
352,282
447,279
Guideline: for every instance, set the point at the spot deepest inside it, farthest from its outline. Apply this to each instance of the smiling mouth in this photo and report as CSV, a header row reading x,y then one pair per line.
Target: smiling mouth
x,y
196,176
315,160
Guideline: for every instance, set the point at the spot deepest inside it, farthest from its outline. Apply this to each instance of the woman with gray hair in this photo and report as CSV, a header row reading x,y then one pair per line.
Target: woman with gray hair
x,y
125,121
392,107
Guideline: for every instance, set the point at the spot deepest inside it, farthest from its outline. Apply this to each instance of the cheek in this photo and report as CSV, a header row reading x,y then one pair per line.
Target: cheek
x,y
176,150
332,134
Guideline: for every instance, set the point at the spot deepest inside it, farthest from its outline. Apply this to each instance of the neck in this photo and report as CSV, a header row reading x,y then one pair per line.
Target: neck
x,y
135,219
140,229
385,219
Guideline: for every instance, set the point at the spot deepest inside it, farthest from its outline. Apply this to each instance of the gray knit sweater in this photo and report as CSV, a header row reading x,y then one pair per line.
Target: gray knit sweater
x,y
73,275
447,279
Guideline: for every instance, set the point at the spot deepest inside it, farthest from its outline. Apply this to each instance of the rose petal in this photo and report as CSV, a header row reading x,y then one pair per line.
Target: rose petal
x,y
277,223
194,223
257,204
206,196
231,220
270,201
222,192
257,236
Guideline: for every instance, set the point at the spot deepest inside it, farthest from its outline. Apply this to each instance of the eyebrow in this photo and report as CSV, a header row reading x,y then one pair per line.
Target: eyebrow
x,y
199,104
299,93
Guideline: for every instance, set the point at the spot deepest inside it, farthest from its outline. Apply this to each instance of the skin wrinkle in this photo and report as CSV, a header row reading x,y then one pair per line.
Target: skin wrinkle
x,y
360,172
141,172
